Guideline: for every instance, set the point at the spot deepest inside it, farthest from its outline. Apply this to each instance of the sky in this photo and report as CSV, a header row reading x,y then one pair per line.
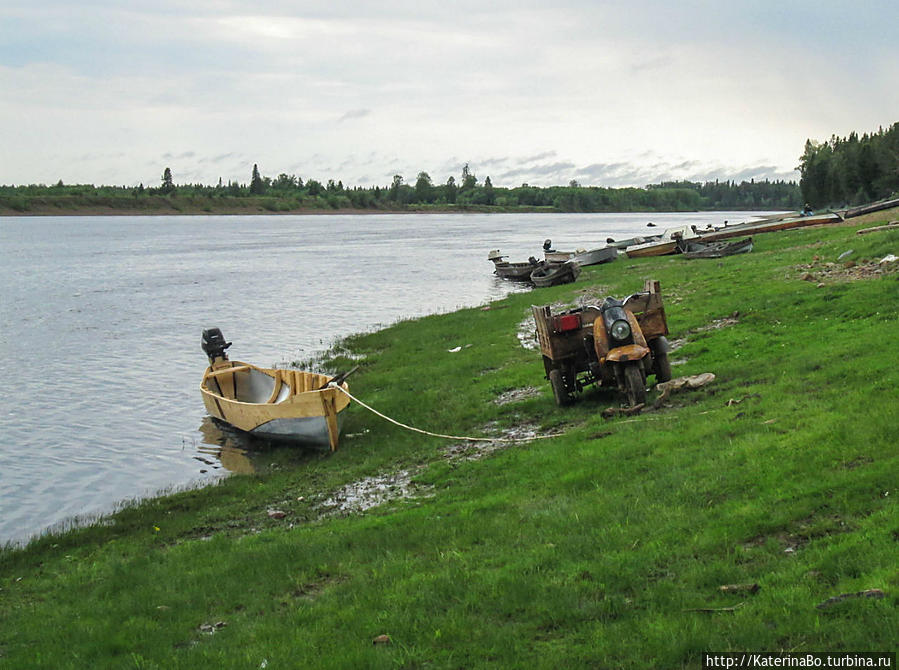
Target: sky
x,y
607,93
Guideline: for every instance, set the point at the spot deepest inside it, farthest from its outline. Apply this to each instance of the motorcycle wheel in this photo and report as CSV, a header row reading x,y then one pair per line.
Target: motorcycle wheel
x,y
634,384
661,364
560,393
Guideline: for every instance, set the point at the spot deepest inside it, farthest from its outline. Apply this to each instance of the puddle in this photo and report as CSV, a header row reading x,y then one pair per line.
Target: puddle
x,y
474,451
527,333
370,492
517,395
363,495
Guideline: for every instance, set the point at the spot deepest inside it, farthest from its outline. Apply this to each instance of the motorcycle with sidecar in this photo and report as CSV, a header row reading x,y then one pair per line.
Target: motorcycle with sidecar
x,y
617,344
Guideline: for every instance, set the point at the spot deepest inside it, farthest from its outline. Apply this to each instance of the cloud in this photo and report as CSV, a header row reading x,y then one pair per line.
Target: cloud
x,y
354,114
521,92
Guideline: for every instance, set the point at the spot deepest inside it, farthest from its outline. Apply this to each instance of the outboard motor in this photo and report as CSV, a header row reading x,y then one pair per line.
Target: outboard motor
x,y
214,344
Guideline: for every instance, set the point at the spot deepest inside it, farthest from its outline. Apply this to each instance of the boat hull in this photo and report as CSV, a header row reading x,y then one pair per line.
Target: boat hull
x,y
286,405
652,249
770,226
514,271
717,249
596,256
666,244
310,430
558,256
552,274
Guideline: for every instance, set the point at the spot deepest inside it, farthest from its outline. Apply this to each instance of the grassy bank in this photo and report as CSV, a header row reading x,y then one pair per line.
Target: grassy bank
x,y
603,547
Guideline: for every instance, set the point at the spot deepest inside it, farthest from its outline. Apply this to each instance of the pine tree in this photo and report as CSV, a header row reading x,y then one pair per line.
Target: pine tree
x,y
168,185
257,185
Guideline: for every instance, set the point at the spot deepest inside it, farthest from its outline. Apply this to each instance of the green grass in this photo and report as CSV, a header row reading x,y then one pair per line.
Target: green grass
x,y
592,549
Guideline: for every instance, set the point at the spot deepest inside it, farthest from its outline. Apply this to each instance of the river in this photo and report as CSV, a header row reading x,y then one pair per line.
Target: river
x,y
100,323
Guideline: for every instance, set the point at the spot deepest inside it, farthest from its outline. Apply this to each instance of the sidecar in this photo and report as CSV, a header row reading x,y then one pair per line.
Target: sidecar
x,y
570,352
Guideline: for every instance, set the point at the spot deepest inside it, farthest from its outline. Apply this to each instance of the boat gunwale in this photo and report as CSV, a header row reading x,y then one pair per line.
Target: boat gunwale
x,y
290,399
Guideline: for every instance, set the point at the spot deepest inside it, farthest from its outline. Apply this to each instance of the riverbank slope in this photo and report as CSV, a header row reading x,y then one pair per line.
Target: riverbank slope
x,y
607,545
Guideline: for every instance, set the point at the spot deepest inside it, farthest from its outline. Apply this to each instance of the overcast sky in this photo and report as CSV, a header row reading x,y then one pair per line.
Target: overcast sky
x,y
609,93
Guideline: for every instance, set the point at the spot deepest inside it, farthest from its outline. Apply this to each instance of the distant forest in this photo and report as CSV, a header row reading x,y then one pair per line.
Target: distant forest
x,y
837,173
850,170
290,193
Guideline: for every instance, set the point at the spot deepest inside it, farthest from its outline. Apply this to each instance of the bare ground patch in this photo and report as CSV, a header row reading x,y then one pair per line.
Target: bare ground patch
x,y
715,324
823,273
364,494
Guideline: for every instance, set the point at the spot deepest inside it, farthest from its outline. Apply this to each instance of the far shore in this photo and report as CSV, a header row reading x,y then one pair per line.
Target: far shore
x,y
188,211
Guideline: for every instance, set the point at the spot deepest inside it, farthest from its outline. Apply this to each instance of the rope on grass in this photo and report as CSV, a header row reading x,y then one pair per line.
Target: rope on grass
x,y
449,437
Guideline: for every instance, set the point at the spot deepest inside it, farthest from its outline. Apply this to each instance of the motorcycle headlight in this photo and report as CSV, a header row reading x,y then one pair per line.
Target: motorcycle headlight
x,y
620,330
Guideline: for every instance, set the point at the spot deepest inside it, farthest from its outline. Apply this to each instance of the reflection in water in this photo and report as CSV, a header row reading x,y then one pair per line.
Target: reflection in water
x,y
241,453
228,446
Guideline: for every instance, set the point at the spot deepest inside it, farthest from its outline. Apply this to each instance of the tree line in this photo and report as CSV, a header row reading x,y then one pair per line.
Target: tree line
x,y
850,170
292,193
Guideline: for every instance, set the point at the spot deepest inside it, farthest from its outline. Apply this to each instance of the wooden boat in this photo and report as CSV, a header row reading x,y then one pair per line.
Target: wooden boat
x,y
512,271
289,405
631,241
666,244
595,256
695,249
552,274
770,226
872,207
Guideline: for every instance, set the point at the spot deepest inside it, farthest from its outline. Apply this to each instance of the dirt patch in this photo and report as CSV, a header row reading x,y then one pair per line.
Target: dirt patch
x,y
516,395
801,532
675,344
829,272
360,496
715,324
594,295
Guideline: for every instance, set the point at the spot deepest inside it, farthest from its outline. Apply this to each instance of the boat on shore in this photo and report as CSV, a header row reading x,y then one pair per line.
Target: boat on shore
x,y
553,274
558,256
666,244
595,256
278,404
720,249
631,241
871,207
770,225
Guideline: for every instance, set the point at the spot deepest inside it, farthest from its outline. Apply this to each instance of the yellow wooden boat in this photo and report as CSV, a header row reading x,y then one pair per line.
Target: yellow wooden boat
x,y
293,405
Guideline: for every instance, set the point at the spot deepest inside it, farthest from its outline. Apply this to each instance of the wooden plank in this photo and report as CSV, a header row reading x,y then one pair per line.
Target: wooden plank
x,y
329,408
222,371
889,226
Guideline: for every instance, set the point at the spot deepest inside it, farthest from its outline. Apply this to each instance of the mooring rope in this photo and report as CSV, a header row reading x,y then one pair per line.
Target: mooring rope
x,y
449,437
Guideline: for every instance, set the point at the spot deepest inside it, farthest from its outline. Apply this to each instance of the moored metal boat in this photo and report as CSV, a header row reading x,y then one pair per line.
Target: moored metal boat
x,y
696,249
631,241
551,274
512,271
666,244
290,405
558,256
595,256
